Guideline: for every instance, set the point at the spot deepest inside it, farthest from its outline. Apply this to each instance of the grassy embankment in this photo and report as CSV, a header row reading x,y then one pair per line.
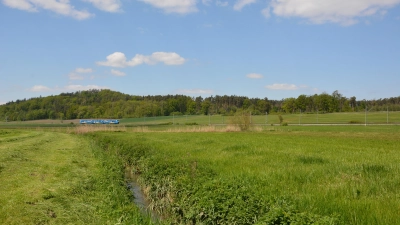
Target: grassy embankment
x,y
58,178
325,175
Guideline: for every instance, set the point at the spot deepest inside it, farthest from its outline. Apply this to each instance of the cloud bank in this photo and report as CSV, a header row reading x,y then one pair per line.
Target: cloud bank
x,y
77,73
242,3
118,59
62,7
287,87
254,76
72,87
174,6
117,73
343,12
107,5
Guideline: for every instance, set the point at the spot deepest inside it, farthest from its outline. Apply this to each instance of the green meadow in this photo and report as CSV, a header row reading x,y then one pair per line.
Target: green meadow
x,y
275,175
353,118
294,119
300,175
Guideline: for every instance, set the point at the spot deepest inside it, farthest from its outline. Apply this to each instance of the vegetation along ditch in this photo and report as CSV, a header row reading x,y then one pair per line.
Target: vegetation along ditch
x,y
286,177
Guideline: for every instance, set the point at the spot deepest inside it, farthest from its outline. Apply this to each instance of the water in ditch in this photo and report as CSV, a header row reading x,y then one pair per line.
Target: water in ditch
x,y
139,198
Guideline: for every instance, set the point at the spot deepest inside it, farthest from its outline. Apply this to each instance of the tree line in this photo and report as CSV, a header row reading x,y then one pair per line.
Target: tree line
x,y
116,105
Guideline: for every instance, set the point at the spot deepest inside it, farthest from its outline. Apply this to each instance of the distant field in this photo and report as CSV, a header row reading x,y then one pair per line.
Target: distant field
x,y
293,119
309,174
328,118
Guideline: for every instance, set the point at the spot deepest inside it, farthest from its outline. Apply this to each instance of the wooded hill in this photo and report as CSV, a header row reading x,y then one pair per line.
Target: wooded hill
x,y
113,104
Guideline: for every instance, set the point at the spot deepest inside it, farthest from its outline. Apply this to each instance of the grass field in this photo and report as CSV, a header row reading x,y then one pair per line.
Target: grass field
x,y
278,175
328,118
355,118
58,178
322,175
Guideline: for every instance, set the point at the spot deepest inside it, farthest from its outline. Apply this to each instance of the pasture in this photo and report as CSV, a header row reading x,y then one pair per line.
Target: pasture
x,y
276,175
322,175
294,119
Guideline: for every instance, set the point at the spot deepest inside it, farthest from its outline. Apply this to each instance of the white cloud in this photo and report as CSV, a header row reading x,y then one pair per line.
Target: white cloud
x,y
242,3
266,12
60,7
39,88
107,5
168,58
344,12
118,59
117,73
282,87
174,6
206,2
221,3
195,91
254,76
83,70
75,76
76,87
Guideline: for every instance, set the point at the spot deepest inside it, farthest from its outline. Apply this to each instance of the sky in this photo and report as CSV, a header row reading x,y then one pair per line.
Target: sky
x,y
256,48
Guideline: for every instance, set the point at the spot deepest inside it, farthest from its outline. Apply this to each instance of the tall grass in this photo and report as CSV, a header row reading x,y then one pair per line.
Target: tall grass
x,y
308,175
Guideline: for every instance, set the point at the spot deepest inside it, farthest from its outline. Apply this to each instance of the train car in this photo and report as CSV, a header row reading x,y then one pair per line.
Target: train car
x,y
99,121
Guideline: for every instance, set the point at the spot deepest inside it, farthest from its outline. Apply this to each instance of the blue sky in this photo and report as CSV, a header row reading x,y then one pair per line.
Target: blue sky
x,y
255,48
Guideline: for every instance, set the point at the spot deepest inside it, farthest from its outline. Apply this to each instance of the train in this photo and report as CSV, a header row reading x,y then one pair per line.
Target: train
x,y
99,121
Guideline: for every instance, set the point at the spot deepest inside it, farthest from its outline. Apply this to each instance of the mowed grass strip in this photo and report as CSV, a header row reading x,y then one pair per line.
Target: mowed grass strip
x,y
58,178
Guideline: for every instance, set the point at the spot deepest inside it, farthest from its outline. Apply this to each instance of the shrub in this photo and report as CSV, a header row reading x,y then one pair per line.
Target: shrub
x,y
242,119
167,123
284,124
193,123
280,118
176,114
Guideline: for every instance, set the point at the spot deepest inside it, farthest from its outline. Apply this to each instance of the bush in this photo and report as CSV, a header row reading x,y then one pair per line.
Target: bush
x,y
176,114
193,123
168,123
284,124
280,118
242,119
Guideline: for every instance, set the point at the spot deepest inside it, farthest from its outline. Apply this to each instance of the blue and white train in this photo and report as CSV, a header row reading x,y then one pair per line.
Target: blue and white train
x,y
99,121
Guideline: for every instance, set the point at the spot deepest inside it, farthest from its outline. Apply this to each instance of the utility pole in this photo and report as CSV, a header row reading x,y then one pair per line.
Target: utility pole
x,y
266,117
